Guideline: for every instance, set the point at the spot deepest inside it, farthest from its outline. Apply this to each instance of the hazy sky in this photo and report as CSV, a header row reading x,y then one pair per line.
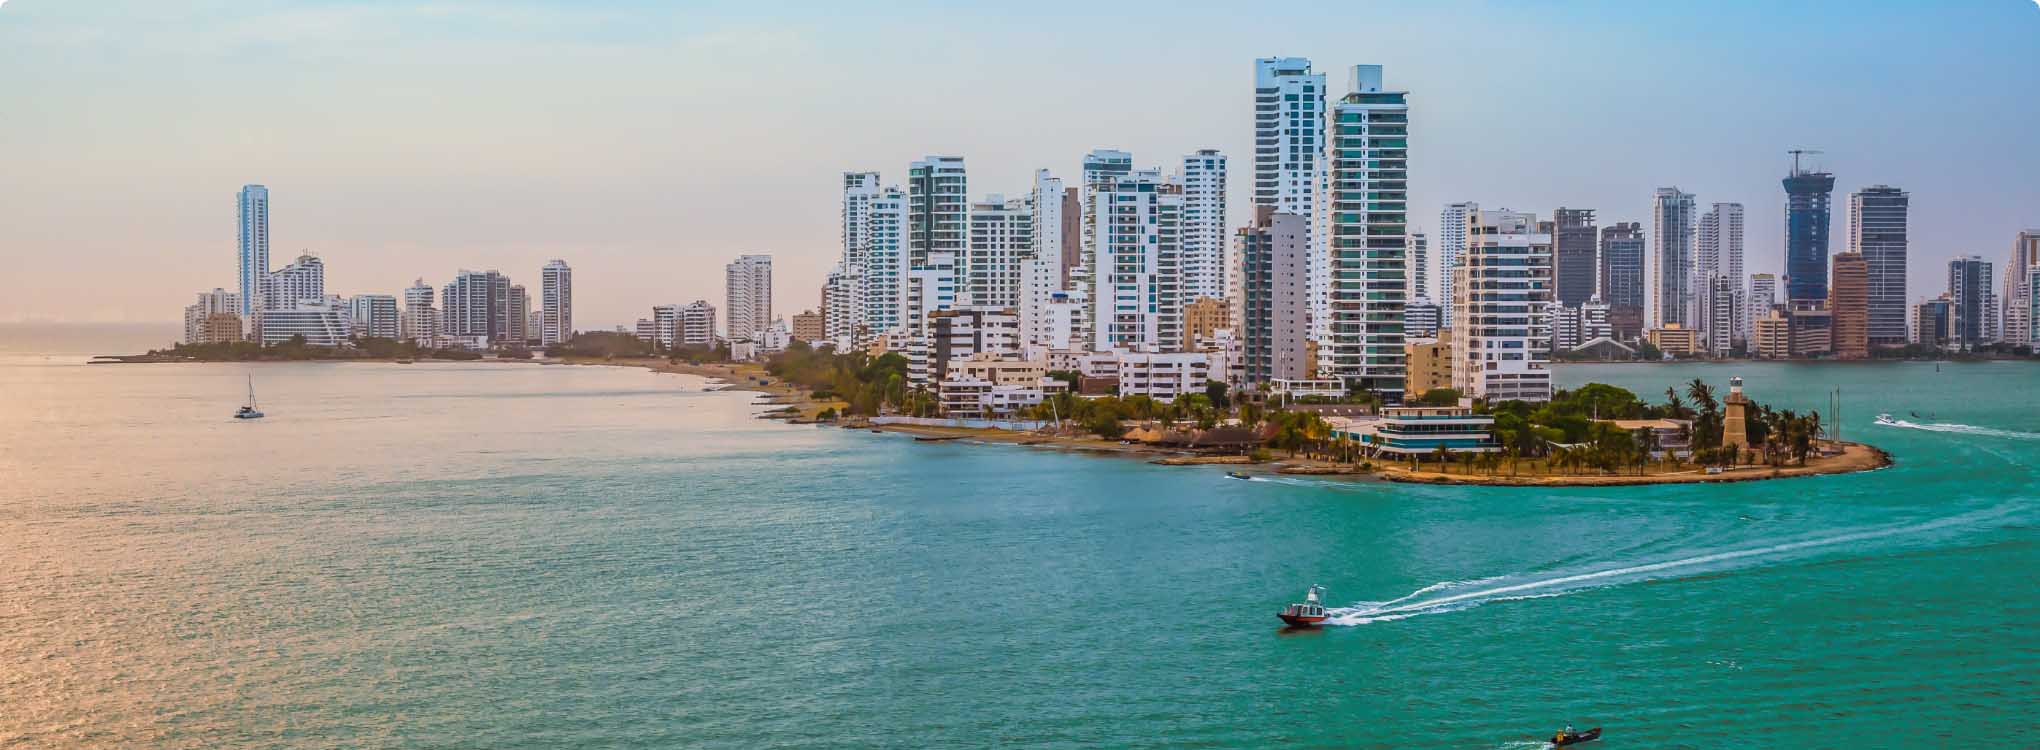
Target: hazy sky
x,y
648,143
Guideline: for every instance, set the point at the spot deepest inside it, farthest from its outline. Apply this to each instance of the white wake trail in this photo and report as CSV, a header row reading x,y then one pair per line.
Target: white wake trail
x,y
1959,429
1412,604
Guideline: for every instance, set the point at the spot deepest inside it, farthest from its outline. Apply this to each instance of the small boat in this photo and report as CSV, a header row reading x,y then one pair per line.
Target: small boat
x,y
937,438
248,410
1567,736
1886,419
1239,475
405,361
1308,613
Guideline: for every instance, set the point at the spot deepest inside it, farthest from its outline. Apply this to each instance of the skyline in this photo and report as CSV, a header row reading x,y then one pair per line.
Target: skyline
x,y
390,171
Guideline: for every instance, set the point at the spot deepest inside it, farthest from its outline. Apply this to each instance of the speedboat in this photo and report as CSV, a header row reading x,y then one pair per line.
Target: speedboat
x,y
248,410
1238,475
1567,736
1886,419
1307,613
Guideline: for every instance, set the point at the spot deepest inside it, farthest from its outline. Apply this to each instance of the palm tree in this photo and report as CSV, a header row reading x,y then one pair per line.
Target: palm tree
x,y
1675,408
1702,395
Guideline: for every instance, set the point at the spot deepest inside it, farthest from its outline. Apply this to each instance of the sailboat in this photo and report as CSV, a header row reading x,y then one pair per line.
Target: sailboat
x,y
248,410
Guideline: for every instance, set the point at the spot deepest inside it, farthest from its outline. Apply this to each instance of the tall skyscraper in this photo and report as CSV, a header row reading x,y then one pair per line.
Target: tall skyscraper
x,y
1877,230
748,296
556,303
1672,296
1573,237
1136,298
1001,240
1807,196
420,320
1718,254
2019,323
253,266
846,313
1972,306
1102,166
1369,236
304,279
883,285
1042,272
1849,306
938,214
1289,161
517,316
476,306
1274,304
1502,342
1204,240
1622,279
1451,247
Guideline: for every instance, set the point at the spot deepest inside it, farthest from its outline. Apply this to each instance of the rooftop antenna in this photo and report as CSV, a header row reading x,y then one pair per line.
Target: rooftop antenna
x,y
1798,152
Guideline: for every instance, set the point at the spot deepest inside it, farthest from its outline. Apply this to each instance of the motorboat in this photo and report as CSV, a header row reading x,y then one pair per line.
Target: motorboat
x,y
248,410
1885,419
1567,736
1308,613
1239,475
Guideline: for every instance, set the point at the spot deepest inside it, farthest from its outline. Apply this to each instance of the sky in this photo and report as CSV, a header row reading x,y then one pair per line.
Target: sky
x,y
649,143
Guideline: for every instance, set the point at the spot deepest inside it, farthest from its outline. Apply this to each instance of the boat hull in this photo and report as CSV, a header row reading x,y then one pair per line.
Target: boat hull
x,y
1303,621
1574,739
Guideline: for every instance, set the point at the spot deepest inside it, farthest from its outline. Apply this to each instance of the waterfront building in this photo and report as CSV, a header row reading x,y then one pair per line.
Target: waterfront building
x,y
1849,306
1204,236
373,315
1676,340
1718,255
838,307
1136,298
1621,282
748,296
1368,236
1044,270
695,325
938,201
1933,322
1274,259
1972,306
518,317
476,306
1430,364
1762,296
1451,247
202,321
960,333
1290,164
1807,195
883,285
420,320
1421,318
2020,325
1101,167
303,279
1001,240
1673,298
535,324
1417,255
1501,339
1771,335
1404,432
322,322
252,267
648,328
1877,230
1162,376
1812,328
1574,258
556,303
2030,300
845,309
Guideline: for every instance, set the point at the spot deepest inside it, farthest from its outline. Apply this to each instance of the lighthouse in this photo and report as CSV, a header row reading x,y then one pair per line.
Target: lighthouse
x,y
1735,430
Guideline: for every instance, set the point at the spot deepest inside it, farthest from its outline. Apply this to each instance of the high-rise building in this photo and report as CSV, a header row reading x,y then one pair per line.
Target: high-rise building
x,y
1451,247
1420,318
420,320
1001,241
845,313
517,317
1274,302
1136,298
932,287
1807,195
205,322
1418,256
1622,281
1933,322
1718,254
747,288
695,324
1673,298
938,209
1102,166
1289,162
318,322
304,279
1771,335
1574,260
373,315
1763,296
475,307
253,265
1849,306
1972,305
808,327
1877,230
1072,231
1369,236
556,303
1501,339
2020,325
1204,240
1043,273
883,286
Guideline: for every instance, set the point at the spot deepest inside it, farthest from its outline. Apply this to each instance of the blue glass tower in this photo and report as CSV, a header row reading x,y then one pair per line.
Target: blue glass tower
x,y
1807,195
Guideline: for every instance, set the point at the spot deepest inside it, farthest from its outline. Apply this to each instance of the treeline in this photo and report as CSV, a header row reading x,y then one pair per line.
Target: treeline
x,y
295,349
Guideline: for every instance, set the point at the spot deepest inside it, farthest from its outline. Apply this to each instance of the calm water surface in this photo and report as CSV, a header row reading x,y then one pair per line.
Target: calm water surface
x,y
515,556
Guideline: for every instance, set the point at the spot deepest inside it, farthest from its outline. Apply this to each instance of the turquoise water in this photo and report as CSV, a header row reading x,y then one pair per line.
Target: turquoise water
x,y
514,556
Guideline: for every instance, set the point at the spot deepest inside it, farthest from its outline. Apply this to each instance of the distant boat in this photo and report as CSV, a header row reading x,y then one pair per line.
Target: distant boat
x,y
1308,613
1239,475
248,410
1567,736
405,361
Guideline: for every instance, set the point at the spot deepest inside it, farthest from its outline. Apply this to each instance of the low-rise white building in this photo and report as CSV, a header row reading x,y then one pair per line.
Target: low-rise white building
x,y
1162,376
321,322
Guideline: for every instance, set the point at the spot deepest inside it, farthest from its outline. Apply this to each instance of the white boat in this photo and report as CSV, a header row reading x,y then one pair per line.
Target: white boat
x,y
1885,419
248,410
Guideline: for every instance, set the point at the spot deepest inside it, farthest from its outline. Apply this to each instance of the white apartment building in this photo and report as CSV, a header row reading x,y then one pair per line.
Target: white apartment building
x,y
1369,236
1763,295
373,315
1417,257
1451,247
1724,315
931,287
1289,163
1101,166
322,322
883,286
845,308
420,321
1136,297
1718,254
1205,270
304,279
1674,297
1042,271
1501,340
556,303
938,208
748,296
2019,324
199,315
694,325
1162,376
1001,242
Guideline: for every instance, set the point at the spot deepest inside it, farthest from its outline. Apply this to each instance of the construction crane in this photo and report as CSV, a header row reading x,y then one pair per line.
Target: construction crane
x,y
1798,152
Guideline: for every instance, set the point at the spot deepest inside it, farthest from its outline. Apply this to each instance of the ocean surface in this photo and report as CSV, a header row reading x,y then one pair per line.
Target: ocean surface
x,y
491,555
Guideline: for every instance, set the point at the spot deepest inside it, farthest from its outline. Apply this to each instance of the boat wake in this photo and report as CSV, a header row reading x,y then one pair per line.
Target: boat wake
x,y
1959,429
1452,596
